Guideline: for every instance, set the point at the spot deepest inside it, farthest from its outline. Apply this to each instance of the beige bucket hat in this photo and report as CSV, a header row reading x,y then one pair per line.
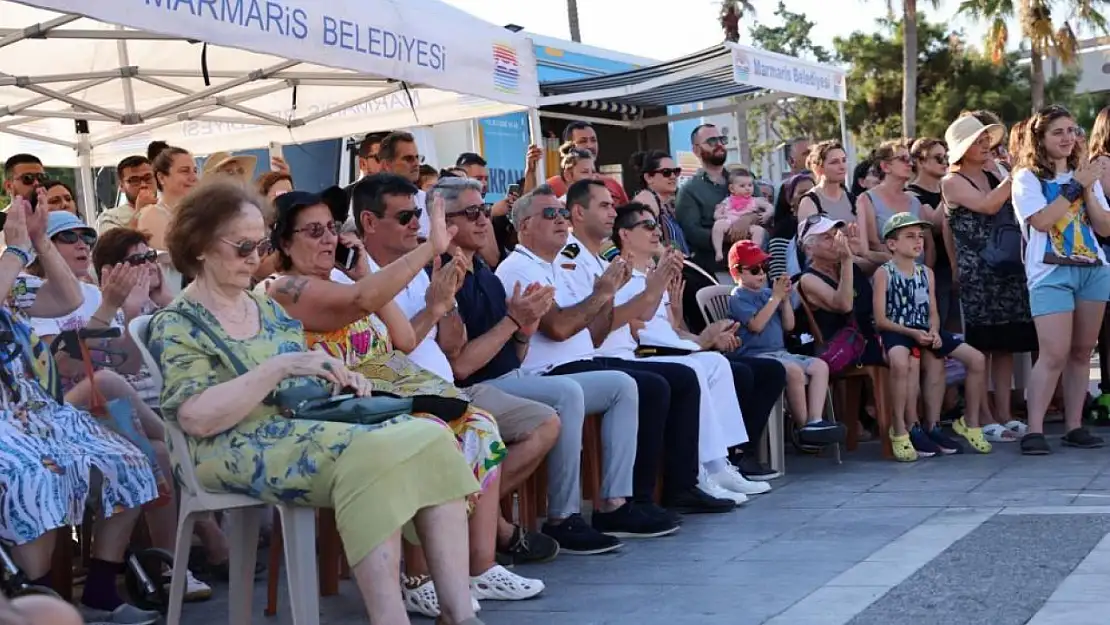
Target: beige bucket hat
x,y
963,133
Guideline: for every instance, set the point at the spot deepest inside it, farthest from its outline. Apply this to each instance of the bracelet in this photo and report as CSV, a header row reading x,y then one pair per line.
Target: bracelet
x,y
518,325
95,318
1072,191
26,257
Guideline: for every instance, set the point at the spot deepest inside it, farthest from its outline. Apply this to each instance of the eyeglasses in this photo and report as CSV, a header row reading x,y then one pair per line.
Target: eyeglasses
x,y
551,212
647,224
30,179
135,181
472,212
811,221
940,159
71,237
404,217
246,247
668,172
716,141
148,256
901,158
315,230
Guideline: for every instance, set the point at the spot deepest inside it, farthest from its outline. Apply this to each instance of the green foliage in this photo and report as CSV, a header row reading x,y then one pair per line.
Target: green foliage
x,y
951,78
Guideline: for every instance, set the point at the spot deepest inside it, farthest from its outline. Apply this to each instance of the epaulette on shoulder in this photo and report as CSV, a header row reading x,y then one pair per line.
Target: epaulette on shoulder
x,y
571,251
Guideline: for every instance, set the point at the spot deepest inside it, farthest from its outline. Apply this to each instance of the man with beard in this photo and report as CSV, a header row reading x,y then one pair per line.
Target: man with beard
x,y
136,181
701,194
583,135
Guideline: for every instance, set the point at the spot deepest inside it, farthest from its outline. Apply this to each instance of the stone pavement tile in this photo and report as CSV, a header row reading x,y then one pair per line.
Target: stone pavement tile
x,y
830,605
891,516
736,604
922,543
914,484
785,499
848,550
868,573
491,617
611,601
1007,483
1003,498
963,515
1083,588
1056,613
1098,561
761,576
933,499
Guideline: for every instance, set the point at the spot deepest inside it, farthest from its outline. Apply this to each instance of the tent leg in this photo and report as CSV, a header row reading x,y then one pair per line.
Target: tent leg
x,y
850,151
86,188
537,139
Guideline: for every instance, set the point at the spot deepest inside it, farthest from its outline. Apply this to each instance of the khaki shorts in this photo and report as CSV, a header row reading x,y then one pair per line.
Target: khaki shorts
x,y
516,417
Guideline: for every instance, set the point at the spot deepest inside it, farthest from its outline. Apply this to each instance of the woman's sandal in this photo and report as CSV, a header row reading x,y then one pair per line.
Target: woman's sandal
x,y
998,433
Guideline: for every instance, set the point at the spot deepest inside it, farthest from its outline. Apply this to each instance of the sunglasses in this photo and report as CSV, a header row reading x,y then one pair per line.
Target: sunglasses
x,y
551,212
246,247
755,270
472,212
404,217
148,256
940,159
71,237
647,224
670,172
716,141
30,179
315,230
901,158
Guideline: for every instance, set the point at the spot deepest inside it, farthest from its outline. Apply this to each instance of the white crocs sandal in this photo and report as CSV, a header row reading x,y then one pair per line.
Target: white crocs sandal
x,y
996,433
501,584
419,595
1017,427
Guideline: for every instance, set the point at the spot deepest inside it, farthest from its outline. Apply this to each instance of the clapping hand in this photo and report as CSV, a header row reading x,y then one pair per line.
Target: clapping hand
x,y
118,281
447,279
36,221
616,275
532,159
1088,173
526,307
15,228
781,287
439,234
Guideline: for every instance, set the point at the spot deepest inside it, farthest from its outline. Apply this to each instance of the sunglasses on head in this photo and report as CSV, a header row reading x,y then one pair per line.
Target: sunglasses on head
x,y
667,172
811,221
404,217
315,230
71,237
472,212
148,256
30,179
246,247
551,212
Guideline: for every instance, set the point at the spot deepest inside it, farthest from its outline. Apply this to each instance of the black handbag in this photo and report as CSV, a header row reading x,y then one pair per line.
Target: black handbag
x,y
312,401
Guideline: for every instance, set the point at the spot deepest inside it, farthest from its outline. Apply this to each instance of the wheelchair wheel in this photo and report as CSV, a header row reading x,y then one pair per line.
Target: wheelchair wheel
x,y
31,590
143,578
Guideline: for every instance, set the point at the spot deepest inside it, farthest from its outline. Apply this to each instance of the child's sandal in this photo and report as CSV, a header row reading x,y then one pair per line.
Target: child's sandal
x,y
974,436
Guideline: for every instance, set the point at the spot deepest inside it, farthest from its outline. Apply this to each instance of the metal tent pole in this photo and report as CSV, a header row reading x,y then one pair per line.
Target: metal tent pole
x,y
537,139
85,185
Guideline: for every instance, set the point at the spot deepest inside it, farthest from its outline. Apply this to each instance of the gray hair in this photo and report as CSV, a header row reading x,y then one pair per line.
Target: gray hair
x,y
522,208
450,189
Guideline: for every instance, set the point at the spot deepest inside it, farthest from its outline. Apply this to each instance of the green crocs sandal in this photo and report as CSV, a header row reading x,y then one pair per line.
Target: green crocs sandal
x,y
974,436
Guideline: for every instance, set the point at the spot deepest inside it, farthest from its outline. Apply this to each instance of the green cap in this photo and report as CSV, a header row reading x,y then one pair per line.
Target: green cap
x,y
902,220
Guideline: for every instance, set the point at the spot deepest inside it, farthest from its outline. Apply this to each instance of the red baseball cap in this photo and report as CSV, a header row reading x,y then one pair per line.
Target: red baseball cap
x,y
745,254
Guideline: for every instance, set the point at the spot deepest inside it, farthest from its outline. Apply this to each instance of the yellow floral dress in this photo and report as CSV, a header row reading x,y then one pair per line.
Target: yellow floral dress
x,y
364,346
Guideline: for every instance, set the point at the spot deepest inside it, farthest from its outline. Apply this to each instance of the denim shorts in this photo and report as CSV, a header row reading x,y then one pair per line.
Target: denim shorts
x,y
1058,291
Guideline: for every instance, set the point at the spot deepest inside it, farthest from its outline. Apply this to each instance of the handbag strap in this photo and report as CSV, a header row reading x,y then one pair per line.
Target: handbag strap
x,y
218,342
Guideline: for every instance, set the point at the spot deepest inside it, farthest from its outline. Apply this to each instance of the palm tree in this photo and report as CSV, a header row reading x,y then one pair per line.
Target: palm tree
x,y
909,63
731,13
572,17
1038,28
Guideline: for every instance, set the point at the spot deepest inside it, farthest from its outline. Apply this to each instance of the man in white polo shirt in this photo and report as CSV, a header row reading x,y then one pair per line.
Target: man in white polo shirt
x,y
383,207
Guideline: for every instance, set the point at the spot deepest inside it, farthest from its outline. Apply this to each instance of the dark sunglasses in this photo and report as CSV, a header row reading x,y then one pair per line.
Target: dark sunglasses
x,y
811,221
755,270
940,159
669,172
315,230
246,247
472,212
647,224
148,256
901,158
551,212
715,141
71,237
30,179
404,217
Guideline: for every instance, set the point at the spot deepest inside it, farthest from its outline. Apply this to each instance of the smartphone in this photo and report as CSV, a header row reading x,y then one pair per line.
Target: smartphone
x,y
514,189
275,150
345,257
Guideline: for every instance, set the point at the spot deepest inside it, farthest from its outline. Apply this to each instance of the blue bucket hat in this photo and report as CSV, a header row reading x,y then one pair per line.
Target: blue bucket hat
x,y
60,221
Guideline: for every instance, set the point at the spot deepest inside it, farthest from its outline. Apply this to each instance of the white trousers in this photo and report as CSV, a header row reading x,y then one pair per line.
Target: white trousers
x,y
720,424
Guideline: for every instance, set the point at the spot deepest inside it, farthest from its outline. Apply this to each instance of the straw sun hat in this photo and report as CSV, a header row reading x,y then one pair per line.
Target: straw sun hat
x,y
963,132
219,159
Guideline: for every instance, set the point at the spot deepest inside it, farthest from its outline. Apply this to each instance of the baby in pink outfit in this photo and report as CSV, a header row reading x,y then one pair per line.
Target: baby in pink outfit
x,y
739,205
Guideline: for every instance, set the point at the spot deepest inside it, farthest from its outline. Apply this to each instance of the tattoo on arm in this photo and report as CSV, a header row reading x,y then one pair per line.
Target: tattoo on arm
x,y
293,288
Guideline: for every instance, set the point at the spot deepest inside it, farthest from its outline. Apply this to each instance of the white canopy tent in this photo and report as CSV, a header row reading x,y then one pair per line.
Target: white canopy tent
x,y
718,72
294,71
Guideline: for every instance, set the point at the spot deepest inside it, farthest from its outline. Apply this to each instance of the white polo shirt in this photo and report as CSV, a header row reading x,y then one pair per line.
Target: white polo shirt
x,y
411,301
577,270
523,267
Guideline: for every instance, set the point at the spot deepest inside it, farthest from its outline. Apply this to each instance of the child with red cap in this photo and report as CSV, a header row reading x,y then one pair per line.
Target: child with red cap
x,y
764,315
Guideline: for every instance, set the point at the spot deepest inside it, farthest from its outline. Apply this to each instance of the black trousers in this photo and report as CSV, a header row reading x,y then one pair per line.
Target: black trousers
x,y
759,384
669,398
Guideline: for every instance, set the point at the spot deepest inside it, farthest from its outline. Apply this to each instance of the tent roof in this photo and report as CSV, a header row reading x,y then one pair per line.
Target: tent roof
x,y
701,76
136,71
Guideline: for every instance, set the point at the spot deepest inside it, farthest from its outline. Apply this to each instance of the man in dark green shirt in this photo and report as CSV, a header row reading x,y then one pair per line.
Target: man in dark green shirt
x,y
698,198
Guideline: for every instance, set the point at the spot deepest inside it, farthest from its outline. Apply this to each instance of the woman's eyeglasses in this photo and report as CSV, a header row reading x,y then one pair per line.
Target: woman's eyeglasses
x,y
315,230
472,212
30,179
668,172
551,212
404,217
71,237
246,247
135,260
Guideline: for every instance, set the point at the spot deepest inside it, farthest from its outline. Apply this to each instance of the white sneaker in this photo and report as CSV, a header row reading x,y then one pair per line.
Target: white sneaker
x,y
731,479
195,590
501,584
709,486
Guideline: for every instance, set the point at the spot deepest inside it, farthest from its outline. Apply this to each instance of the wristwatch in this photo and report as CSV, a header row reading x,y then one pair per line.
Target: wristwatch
x,y
520,338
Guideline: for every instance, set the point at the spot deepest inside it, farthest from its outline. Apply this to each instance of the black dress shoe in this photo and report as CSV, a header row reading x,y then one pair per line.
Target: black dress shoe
x,y
751,468
696,501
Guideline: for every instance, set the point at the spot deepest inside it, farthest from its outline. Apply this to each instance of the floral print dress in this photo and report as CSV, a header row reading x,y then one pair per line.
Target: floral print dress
x,y
364,346
48,448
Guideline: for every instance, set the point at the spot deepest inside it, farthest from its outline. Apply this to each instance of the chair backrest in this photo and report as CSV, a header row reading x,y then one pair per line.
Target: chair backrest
x,y
713,302
184,472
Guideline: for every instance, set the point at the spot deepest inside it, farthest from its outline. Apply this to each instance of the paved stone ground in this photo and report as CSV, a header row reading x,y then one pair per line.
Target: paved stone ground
x,y
972,540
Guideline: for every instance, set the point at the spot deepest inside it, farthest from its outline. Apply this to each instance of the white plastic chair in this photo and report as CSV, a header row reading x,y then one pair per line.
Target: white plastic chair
x,y
242,527
713,302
